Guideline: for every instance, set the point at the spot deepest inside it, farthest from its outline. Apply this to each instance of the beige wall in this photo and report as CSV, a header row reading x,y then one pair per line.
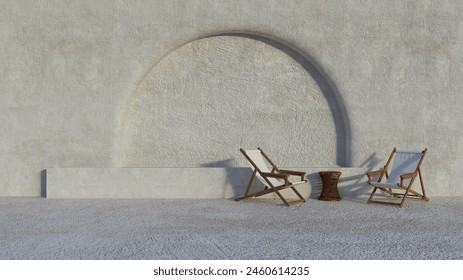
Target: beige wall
x,y
69,72
213,96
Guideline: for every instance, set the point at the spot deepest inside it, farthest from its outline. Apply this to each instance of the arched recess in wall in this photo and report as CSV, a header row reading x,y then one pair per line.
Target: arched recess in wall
x,y
212,96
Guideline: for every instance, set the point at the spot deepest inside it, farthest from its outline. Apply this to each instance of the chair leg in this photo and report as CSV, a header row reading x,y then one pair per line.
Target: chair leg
x,y
412,193
390,192
298,194
288,203
268,190
408,193
407,190
282,198
248,188
372,194
422,186
405,197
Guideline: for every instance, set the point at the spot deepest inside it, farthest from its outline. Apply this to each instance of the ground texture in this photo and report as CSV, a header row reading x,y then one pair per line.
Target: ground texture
x,y
38,228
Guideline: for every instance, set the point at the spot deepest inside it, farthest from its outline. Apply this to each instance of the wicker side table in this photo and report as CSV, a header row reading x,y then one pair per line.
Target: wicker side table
x,y
330,185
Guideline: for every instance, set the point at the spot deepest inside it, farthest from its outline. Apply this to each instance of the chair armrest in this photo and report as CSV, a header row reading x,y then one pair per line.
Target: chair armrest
x,y
292,172
408,176
375,173
275,175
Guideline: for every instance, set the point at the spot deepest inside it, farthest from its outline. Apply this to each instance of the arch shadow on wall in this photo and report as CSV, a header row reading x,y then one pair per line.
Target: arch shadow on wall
x,y
324,83
327,86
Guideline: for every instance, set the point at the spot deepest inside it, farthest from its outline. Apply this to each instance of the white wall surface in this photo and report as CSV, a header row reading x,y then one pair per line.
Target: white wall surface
x,y
70,70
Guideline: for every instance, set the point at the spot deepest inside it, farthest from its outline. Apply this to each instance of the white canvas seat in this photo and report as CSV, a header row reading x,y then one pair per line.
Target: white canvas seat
x,y
404,170
385,185
273,179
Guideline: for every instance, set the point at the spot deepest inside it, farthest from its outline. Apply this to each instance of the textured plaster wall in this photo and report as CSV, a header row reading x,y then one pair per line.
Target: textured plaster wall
x,y
209,98
70,70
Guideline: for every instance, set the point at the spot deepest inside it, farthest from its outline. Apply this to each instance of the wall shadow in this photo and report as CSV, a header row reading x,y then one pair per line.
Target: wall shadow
x,y
351,186
43,183
356,187
220,163
237,177
316,185
329,90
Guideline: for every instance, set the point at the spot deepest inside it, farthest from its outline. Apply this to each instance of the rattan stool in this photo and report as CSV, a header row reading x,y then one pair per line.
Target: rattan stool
x,y
330,185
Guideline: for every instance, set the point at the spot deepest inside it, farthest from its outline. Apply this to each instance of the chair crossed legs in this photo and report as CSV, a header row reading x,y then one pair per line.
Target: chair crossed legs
x,y
404,171
274,180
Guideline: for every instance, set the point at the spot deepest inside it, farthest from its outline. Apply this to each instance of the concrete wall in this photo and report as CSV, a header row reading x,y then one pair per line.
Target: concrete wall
x,y
70,73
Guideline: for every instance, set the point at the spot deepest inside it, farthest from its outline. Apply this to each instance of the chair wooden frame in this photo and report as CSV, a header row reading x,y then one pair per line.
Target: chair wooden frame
x,y
277,174
409,193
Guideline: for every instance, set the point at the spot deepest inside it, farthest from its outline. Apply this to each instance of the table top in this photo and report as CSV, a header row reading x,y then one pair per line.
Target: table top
x,y
329,172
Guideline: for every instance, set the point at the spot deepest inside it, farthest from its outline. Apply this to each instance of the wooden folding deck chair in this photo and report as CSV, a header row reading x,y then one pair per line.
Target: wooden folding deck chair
x,y
405,169
274,180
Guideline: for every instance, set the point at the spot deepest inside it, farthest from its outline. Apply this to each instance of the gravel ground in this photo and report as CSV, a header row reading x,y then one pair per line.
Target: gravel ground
x,y
39,228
